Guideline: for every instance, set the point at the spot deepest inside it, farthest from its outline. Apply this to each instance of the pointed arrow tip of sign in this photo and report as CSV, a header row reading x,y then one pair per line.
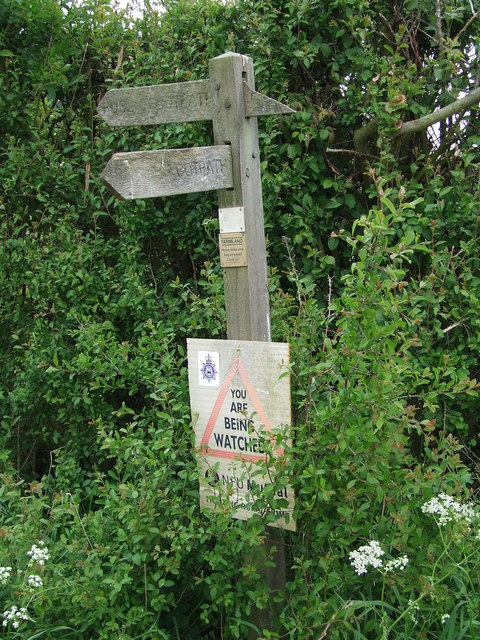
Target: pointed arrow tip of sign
x,y
257,104
108,177
102,108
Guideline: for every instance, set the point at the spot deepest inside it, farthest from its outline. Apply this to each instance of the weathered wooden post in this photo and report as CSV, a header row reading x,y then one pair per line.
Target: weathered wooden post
x,y
232,167
246,286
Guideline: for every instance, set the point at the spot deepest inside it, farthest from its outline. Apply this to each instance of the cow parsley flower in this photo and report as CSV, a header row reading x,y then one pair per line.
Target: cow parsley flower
x,y
15,616
371,555
446,509
445,617
414,609
38,554
5,573
34,582
367,555
396,564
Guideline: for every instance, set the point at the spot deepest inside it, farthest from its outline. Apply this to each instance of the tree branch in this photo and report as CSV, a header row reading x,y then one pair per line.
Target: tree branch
x,y
414,126
362,136
438,16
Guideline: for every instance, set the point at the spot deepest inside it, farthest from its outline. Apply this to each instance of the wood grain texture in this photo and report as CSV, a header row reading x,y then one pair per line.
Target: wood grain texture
x,y
257,104
157,104
150,174
178,102
246,289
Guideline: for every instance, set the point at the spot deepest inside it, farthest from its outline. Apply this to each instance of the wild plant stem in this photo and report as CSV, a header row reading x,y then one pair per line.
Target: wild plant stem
x,y
440,580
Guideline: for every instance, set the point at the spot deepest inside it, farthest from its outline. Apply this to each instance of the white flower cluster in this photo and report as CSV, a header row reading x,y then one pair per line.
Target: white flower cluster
x,y
15,616
34,582
414,609
368,554
5,573
396,564
39,554
371,555
447,509
445,618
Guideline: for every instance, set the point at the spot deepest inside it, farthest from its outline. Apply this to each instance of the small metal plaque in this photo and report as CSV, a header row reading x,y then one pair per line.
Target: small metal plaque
x,y
233,249
231,219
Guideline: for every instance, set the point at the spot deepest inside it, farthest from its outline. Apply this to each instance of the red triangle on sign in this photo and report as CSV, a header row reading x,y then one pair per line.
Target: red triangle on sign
x,y
236,367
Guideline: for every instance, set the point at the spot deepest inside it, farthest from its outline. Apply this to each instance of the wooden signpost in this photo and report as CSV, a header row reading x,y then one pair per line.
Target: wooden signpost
x,y
166,172
231,166
178,102
158,104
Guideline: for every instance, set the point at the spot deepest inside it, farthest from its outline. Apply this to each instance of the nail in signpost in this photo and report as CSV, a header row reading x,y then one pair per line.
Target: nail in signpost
x,y
231,167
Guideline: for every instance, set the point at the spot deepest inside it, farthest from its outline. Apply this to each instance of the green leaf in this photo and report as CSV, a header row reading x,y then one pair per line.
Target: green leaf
x,y
389,204
332,243
350,201
408,238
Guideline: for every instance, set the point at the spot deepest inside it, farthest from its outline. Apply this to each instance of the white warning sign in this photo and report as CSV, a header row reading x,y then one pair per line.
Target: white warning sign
x,y
240,399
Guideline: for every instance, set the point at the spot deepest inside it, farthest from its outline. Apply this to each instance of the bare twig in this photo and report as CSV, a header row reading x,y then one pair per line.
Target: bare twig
x,y
467,24
329,307
119,61
331,621
352,152
438,17
452,326
72,502
145,583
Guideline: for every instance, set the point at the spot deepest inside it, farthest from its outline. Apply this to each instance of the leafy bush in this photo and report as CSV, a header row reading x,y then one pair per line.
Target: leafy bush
x,y
372,227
